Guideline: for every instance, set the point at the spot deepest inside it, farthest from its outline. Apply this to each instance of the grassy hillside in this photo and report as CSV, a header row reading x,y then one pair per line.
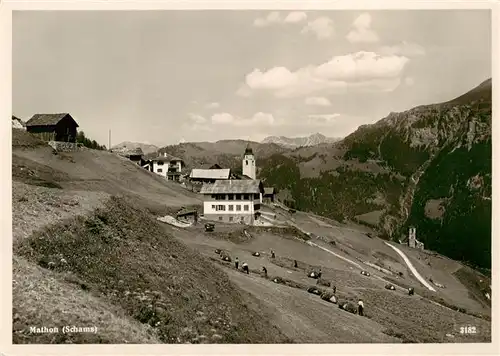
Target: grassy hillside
x,y
88,250
122,256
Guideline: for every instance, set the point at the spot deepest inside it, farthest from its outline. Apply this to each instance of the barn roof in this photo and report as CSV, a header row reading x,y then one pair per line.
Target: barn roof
x,y
210,173
47,119
233,187
134,152
268,190
210,166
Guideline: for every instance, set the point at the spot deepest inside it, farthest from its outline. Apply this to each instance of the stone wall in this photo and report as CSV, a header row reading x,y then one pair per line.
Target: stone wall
x,y
236,218
65,146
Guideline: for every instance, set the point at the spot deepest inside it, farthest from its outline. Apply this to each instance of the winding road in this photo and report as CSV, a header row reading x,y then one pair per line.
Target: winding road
x,y
410,266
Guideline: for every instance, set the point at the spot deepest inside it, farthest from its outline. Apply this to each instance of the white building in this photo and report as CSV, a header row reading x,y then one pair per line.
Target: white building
x,y
232,200
167,166
249,164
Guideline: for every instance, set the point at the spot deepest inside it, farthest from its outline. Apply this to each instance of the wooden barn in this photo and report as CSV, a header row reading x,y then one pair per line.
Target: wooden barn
x,y
268,195
53,127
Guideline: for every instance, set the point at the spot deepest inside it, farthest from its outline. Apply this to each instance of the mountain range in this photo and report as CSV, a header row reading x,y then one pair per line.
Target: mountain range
x,y
428,167
294,142
132,146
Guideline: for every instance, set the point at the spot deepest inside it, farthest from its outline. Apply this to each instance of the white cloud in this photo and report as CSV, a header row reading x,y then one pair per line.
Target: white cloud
x,y
361,31
322,119
322,27
272,18
409,81
222,118
258,119
213,105
197,119
355,71
296,17
404,48
317,101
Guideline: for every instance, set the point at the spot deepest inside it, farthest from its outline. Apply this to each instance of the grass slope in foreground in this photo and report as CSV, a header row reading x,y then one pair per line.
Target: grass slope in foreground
x,y
121,257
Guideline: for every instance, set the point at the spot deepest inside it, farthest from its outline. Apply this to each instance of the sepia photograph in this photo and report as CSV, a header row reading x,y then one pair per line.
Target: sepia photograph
x,y
251,176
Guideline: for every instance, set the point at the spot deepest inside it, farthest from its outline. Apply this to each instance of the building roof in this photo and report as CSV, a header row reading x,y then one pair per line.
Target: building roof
x,y
47,119
210,173
248,150
166,157
210,166
232,187
185,212
242,176
268,190
134,152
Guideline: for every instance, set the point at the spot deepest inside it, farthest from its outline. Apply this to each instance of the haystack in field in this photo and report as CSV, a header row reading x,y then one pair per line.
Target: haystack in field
x,y
329,297
348,307
314,290
390,287
256,254
225,257
314,274
323,282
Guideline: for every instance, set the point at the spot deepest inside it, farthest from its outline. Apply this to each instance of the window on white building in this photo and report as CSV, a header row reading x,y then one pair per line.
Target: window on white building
x,y
238,196
246,162
230,197
238,207
230,218
245,207
245,197
160,163
220,218
214,207
231,207
221,208
159,170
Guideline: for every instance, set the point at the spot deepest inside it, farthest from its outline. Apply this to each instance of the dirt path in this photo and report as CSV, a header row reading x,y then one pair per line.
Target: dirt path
x,y
335,254
412,269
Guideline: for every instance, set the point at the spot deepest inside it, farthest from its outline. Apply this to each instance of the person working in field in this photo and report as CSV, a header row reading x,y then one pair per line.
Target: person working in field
x,y
272,254
244,266
361,306
264,269
236,262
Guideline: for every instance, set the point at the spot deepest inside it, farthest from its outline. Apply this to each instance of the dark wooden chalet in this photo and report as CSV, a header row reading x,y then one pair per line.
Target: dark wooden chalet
x,y
268,195
53,127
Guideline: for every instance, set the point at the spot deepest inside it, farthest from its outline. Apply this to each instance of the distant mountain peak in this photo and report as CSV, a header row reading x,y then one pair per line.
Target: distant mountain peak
x,y
132,146
292,142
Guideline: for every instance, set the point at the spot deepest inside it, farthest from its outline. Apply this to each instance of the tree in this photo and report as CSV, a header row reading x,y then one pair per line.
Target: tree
x,y
81,138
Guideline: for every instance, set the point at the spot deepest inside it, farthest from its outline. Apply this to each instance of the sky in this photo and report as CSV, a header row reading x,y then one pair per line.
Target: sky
x,y
164,77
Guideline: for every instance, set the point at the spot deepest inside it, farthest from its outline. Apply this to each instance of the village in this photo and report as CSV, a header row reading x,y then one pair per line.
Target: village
x,y
241,207
227,196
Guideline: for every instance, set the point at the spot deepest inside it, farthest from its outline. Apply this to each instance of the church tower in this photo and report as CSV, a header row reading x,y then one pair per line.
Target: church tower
x,y
249,168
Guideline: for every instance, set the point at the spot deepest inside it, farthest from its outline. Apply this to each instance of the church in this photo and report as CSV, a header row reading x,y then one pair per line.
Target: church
x,y
235,200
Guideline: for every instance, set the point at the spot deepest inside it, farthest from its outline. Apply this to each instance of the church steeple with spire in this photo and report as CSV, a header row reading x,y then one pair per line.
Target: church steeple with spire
x,y
249,167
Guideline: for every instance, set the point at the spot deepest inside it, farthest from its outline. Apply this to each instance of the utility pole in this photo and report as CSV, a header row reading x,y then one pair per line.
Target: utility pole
x,y
109,140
